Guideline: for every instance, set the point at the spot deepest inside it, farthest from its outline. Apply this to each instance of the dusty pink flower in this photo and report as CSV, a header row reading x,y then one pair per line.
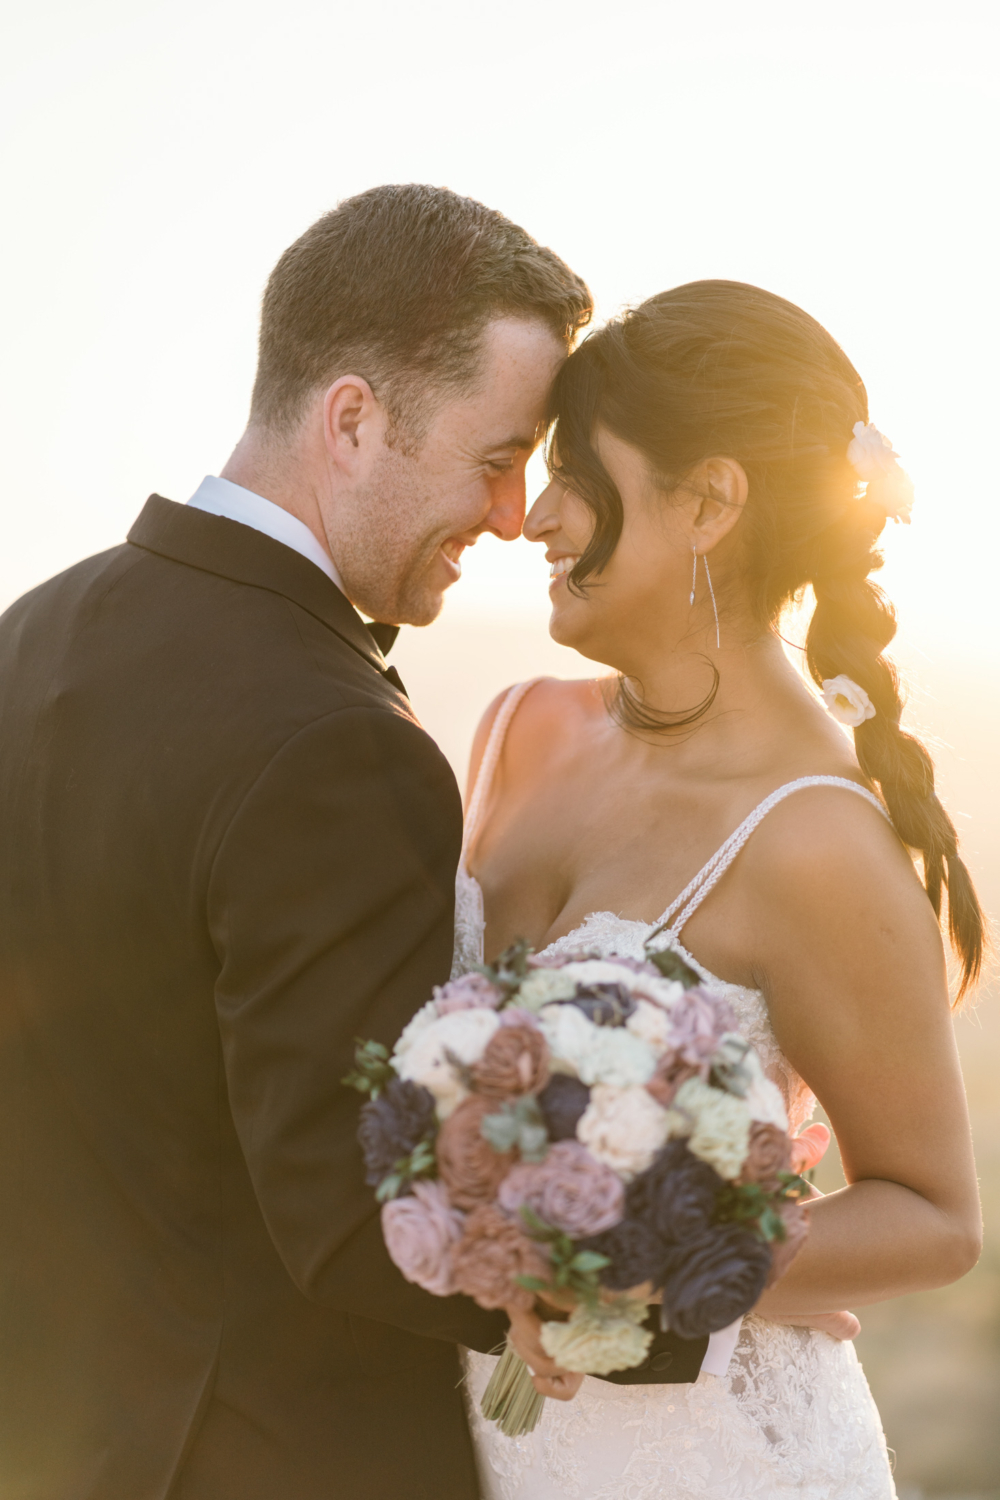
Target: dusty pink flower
x,y
491,1252
470,1168
697,1022
470,992
769,1153
516,1061
421,1231
671,1071
783,1252
570,1189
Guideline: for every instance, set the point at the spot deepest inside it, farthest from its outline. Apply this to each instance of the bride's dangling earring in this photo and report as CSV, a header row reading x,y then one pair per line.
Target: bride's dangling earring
x,y
714,607
694,583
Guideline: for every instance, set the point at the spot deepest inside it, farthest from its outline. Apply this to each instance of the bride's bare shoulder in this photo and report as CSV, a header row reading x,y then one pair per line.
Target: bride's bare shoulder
x,y
551,707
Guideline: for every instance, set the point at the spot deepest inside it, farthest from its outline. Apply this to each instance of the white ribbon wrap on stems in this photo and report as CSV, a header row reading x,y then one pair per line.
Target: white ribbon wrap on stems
x,y
721,1347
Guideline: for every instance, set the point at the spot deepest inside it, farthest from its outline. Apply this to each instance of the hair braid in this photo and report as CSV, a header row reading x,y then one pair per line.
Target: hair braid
x,y
851,626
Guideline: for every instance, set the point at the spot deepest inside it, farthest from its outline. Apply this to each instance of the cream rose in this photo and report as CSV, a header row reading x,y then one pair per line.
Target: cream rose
x,y
651,1024
462,1035
543,986
848,703
597,1341
716,1123
623,1127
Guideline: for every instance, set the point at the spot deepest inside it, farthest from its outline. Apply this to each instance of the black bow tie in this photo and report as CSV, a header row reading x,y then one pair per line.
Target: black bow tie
x,y
384,636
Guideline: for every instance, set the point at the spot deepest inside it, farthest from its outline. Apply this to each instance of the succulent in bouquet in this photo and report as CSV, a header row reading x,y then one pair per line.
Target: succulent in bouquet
x,y
584,1134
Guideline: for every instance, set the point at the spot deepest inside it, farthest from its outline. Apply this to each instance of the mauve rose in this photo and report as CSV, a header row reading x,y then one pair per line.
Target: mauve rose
x,y
420,1234
677,1195
636,1253
783,1252
697,1022
769,1153
491,1252
562,1102
470,1168
569,1190
392,1125
671,1071
713,1280
516,1061
471,992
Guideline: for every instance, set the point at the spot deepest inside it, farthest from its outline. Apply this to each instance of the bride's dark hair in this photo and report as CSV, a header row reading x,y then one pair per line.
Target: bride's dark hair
x,y
720,368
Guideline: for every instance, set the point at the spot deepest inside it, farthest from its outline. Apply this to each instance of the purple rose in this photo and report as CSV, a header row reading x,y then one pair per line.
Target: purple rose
x,y
562,1102
391,1125
421,1232
697,1022
636,1252
471,992
570,1190
713,1280
604,1004
676,1196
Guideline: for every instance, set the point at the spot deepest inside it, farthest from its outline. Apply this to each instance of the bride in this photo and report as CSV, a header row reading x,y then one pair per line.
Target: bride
x,y
705,469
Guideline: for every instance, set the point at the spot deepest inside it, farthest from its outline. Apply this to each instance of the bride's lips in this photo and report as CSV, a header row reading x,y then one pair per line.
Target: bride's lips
x,y
560,568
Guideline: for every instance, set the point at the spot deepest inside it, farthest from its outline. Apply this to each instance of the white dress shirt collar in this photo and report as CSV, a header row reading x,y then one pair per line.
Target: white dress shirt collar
x,y
223,498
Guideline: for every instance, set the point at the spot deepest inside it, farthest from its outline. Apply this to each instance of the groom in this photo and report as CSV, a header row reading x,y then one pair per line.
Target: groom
x,y
227,850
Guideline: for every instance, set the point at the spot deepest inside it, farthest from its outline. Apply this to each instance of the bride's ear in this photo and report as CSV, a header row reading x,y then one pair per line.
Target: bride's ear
x,y
719,489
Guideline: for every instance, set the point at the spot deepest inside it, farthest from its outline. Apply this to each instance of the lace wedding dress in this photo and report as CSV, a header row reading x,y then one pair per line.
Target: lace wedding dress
x,y
793,1415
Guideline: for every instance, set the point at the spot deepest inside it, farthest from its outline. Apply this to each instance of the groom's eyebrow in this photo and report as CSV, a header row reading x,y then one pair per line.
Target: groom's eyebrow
x,y
515,442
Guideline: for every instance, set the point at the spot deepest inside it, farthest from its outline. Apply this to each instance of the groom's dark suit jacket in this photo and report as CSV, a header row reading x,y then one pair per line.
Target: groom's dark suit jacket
x,y
227,849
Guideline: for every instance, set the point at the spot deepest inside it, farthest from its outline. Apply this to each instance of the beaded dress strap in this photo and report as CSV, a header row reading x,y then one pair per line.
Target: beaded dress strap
x,y
694,893
490,760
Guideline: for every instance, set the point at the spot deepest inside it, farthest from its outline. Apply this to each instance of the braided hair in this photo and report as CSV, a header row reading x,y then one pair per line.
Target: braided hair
x,y
721,368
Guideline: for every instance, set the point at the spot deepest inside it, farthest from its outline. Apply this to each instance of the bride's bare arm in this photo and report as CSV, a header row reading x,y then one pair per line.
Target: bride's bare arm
x,y
851,960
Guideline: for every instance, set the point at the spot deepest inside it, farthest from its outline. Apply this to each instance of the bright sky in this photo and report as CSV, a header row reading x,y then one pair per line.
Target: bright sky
x,y
159,156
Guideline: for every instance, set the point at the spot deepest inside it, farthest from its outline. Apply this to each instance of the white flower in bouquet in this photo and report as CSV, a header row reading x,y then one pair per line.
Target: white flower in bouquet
x,y
599,1340
765,1102
651,1024
623,1127
543,986
600,971
716,1123
413,1028
462,1035
595,1054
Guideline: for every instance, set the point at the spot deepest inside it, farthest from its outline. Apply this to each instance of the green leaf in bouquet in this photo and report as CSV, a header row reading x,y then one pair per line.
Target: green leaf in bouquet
x,y
518,1125
670,965
572,1270
372,1069
741,1203
729,1066
511,968
771,1225
532,1283
794,1189
590,1260
419,1163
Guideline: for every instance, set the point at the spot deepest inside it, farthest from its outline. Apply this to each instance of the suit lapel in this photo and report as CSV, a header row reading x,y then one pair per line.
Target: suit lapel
x,y
217,545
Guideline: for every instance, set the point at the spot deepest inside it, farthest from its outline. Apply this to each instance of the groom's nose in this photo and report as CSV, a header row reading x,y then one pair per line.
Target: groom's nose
x,y
509,502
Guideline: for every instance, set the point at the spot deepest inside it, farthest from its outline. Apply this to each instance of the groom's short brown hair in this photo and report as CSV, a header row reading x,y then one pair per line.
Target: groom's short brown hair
x,y
397,285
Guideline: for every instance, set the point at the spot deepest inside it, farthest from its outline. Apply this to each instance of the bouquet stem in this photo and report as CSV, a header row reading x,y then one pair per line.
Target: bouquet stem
x,y
510,1399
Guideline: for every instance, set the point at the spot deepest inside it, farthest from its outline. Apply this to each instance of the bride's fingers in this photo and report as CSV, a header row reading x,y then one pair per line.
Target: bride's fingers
x,y
561,1387
525,1335
839,1325
809,1147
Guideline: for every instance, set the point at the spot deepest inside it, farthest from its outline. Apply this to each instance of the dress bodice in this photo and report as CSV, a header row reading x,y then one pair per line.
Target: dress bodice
x,y
606,932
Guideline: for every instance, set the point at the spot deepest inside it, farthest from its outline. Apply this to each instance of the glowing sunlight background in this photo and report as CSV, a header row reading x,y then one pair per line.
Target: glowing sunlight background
x,y
158,157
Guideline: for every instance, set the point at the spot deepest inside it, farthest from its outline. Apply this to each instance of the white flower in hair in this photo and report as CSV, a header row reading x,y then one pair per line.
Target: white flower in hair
x,y
847,702
872,458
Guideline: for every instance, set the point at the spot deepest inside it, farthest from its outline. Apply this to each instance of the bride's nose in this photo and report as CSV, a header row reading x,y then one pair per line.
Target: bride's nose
x,y
543,517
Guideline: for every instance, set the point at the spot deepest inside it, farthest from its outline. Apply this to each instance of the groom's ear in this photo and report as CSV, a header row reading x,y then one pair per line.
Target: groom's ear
x,y
352,420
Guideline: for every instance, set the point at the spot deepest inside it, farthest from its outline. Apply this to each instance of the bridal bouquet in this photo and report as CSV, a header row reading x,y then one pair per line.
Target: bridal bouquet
x,y
588,1131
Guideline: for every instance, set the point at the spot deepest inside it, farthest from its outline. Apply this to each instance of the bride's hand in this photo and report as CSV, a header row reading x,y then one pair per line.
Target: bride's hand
x,y
839,1325
548,1378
